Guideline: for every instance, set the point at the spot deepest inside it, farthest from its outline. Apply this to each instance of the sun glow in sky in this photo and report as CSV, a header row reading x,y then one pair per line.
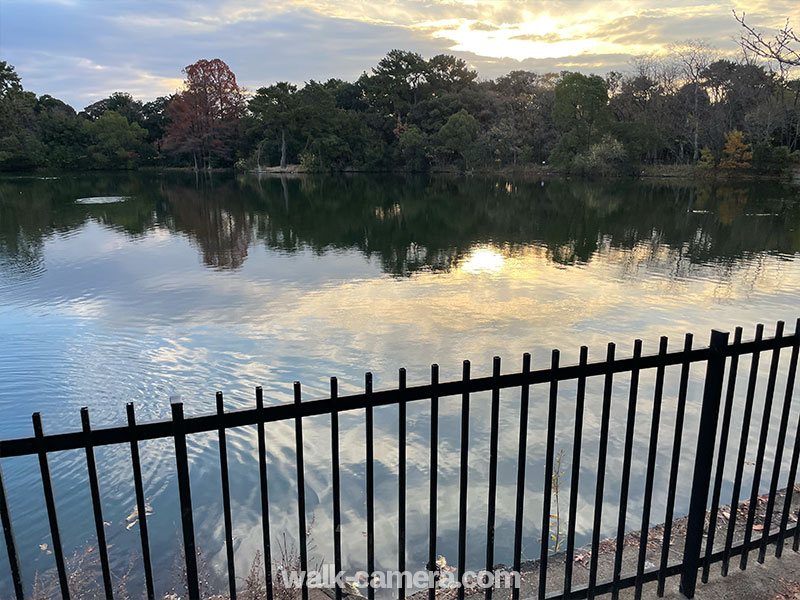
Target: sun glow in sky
x,y
82,50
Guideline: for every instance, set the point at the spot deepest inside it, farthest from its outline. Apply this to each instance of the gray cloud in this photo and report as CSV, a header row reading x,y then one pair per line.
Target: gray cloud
x,y
82,50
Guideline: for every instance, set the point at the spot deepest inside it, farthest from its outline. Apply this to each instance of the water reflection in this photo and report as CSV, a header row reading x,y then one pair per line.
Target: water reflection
x,y
411,224
197,284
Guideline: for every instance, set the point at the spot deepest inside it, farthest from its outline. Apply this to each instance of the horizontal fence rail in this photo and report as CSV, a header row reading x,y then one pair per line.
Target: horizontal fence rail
x,y
715,441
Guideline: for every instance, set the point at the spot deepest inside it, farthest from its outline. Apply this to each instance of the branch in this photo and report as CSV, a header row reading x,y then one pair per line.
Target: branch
x,y
784,48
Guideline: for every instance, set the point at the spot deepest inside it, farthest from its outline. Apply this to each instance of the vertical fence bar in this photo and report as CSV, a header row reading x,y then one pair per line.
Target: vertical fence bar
x,y
522,453
141,505
401,484
704,457
185,496
787,501
547,483
301,491
677,438
463,480
226,495
601,472
776,465
335,485
577,438
655,424
762,446
722,453
493,441
626,467
97,506
434,472
744,436
264,487
11,546
370,442
50,503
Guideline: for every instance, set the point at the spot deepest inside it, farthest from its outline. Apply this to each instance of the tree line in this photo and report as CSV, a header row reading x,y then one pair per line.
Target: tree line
x,y
408,113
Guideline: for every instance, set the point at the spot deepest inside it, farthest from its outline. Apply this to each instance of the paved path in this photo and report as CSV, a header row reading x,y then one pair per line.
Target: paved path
x,y
776,579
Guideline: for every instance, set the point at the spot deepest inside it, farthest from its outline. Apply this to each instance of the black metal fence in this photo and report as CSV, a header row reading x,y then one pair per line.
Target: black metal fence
x,y
716,406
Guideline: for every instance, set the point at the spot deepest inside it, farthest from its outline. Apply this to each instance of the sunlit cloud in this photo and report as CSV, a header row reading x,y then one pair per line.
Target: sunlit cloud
x,y
62,47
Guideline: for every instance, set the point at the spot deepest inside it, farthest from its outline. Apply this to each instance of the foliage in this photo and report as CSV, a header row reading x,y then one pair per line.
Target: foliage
x,y
412,113
114,143
707,159
203,119
412,144
580,107
736,154
558,537
771,159
456,136
605,158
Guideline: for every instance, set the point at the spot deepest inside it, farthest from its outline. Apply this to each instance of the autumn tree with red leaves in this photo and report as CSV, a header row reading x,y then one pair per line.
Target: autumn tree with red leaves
x,y
203,118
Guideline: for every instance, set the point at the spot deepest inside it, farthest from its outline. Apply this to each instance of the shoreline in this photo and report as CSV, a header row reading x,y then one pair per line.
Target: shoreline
x,y
686,173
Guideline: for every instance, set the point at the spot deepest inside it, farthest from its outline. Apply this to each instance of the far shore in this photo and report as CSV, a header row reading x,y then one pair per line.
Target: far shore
x,y
685,173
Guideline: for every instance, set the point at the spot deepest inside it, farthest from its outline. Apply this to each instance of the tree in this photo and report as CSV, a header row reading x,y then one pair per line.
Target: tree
x,y
446,73
412,145
694,57
115,143
273,109
737,154
9,80
205,115
121,103
61,132
458,134
707,160
20,147
580,111
784,48
399,76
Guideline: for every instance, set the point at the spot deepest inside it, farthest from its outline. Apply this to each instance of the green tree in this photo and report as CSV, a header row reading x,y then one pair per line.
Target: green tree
x,y
114,142
412,144
273,110
580,110
458,135
20,147
707,160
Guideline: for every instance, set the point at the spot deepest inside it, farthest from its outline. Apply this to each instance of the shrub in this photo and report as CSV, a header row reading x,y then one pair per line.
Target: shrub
x,y
771,159
606,157
707,159
737,154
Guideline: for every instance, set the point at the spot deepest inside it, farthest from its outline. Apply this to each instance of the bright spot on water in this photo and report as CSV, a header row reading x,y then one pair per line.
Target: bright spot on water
x,y
483,260
101,199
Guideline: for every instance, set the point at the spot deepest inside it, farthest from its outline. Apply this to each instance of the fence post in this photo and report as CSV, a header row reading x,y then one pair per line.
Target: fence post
x,y
704,457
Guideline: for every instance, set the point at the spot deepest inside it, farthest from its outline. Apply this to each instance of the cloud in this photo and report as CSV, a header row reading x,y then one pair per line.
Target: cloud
x,y
81,50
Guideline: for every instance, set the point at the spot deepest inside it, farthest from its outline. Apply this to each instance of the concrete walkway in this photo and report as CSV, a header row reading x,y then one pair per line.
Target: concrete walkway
x,y
776,579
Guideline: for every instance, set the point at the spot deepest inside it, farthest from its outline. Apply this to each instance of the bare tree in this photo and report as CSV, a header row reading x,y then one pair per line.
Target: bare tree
x,y
783,48
694,57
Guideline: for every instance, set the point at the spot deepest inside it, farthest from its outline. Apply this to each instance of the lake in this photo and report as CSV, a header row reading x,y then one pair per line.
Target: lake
x,y
138,287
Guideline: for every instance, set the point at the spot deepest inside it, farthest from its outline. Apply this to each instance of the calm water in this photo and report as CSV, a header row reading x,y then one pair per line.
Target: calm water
x,y
167,285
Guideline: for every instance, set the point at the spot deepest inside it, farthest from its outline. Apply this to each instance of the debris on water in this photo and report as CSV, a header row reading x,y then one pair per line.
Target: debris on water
x,y
102,199
133,518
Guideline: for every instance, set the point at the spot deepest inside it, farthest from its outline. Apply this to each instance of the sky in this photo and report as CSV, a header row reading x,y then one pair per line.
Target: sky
x,y
83,50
